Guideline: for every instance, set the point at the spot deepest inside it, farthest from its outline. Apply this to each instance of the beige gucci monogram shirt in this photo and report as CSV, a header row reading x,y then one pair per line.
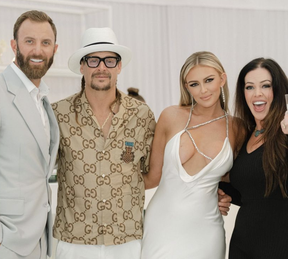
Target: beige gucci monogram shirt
x,y
100,185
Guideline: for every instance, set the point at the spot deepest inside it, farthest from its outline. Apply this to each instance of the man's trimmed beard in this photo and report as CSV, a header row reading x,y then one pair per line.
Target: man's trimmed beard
x,y
33,72
96,87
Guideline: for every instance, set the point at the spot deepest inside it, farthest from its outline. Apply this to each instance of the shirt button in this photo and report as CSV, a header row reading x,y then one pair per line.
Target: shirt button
x,y
105,225
104,200
103,175
103,151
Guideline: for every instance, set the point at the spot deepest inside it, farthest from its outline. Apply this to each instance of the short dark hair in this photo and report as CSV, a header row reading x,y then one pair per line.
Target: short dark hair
x,y
134,92
36,16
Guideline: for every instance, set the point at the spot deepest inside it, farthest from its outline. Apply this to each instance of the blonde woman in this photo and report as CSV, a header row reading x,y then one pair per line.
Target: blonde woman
x,y
192,149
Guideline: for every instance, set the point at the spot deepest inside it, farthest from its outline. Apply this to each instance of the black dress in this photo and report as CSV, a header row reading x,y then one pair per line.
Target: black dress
x,y
261,227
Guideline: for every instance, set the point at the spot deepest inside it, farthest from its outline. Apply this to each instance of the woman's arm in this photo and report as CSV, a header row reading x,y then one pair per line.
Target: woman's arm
x,y
228,189
152,178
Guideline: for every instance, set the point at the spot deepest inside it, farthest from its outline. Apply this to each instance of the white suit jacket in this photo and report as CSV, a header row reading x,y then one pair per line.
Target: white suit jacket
x,y
26,163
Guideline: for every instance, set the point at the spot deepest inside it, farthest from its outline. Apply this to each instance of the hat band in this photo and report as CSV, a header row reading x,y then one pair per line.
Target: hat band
x,y
96,43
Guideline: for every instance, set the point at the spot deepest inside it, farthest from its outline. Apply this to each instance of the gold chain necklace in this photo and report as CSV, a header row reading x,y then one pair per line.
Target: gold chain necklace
x,y
112,111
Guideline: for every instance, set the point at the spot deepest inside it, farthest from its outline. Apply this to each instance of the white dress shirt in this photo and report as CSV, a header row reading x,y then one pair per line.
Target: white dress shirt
x,y
37,94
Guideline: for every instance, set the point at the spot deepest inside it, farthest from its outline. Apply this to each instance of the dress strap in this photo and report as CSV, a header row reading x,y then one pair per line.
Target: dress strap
x,y
189,119
227,124
202,124
207,122
198,150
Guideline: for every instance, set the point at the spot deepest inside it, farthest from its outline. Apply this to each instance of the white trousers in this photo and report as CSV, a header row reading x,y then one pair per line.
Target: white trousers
x,y
130,250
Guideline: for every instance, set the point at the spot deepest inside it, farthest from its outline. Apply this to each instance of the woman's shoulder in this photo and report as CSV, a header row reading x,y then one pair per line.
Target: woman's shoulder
x,y
173,116
175,111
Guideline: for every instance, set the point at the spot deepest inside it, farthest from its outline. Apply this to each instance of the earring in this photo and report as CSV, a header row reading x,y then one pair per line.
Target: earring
x,y
223,94
192,100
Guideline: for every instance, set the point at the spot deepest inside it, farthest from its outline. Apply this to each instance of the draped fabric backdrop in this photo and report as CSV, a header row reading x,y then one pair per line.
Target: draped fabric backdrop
x,y
161,34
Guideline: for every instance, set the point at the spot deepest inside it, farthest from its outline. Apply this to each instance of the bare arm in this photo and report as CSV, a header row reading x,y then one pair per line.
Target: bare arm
x,y
152,178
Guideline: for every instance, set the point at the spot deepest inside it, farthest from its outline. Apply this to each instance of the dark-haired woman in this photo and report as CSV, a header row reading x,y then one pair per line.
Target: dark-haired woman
x,y
260,170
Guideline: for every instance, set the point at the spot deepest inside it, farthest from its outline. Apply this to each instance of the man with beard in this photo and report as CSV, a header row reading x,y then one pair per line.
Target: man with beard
x,y
29,138
105,139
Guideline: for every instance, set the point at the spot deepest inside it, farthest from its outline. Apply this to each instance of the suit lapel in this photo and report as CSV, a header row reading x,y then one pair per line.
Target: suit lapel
x,y
28,110
54,131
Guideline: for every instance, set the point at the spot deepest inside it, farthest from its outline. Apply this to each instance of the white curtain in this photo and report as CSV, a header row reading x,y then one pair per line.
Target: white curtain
x,y
161,38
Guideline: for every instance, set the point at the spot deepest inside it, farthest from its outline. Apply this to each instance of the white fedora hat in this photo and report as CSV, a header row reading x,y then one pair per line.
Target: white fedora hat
x,y
95,40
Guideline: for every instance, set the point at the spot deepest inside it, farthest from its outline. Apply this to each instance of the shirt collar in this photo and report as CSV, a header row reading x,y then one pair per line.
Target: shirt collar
x,y
43,88
83,99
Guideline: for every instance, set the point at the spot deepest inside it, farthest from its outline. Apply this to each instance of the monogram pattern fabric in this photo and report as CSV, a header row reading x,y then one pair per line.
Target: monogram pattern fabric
x,y
100,184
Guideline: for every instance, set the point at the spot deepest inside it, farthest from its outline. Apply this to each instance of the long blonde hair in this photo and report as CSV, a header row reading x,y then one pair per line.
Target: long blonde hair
x,y
203,58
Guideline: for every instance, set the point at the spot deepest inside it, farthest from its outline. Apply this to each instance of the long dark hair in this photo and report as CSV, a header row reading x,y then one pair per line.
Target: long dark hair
x,y
276,145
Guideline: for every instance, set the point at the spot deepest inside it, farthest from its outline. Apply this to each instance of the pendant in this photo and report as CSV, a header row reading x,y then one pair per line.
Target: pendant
x,y
258,132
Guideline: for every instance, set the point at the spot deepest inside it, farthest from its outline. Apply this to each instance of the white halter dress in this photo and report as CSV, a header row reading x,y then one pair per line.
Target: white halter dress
x,y
183,220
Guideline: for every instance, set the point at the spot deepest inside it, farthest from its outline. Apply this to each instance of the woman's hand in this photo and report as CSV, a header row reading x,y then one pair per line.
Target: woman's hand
x,y
224,202
284,123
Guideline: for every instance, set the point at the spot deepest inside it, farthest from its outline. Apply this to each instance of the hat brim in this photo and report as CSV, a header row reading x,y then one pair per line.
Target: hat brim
x,y
74,60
